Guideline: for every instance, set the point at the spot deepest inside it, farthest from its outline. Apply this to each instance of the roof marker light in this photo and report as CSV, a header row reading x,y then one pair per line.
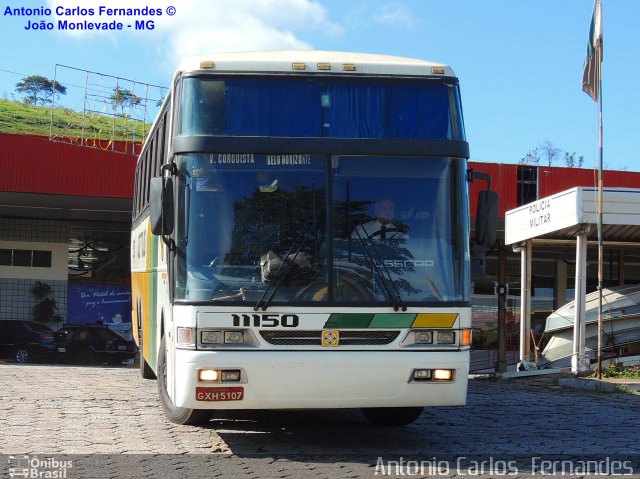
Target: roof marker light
x,y
298,66
207,64
324,66
348,67
437,70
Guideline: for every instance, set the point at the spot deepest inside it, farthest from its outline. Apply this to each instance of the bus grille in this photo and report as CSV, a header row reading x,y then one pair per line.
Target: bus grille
x,y
313,338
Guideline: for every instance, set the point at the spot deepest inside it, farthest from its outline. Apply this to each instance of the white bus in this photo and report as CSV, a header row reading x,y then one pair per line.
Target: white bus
x,y
301,237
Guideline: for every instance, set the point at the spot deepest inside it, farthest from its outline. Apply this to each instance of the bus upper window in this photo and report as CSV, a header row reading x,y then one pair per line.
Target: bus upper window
x,y
272,107
202,107
399,111
312,108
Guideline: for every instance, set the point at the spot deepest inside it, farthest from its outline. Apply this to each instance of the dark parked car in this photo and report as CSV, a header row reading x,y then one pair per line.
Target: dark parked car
x,y
25,341
93,344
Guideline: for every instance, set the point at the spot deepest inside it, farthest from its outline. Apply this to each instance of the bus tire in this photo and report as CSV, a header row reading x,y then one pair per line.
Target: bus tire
x,y
392,416
178,415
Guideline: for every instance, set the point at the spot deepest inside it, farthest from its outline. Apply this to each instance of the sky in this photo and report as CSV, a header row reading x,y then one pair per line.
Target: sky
x,y
519,62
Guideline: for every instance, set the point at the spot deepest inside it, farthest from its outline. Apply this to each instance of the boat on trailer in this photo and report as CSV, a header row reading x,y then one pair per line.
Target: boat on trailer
x,y
620,327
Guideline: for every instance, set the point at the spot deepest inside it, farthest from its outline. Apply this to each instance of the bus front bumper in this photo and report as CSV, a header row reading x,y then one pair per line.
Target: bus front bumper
x,y
320,379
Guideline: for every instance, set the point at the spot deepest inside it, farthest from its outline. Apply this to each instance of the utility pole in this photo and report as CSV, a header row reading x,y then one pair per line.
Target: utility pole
x,y
501,290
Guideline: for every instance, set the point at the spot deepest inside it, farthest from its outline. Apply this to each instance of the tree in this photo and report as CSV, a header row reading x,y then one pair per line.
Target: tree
x,y
124,98
531,158
39,89
571,161
44,309
547,153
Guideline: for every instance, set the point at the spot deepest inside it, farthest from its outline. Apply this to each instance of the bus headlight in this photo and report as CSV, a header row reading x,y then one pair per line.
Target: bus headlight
x,y
233,337
445,337
423,337
211,337
229,338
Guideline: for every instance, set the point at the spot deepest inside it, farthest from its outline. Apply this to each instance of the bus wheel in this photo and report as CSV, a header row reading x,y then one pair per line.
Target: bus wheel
x,y
392,416
178,415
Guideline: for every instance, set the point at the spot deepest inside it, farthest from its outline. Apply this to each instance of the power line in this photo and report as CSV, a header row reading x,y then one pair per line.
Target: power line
x,y
14,73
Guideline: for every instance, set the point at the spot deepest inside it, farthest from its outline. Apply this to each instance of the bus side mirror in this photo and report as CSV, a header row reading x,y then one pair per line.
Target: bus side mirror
x,y
486,229
161,205
486,218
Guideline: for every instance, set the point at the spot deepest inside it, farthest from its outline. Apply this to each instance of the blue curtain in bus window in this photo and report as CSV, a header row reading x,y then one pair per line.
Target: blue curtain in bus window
x,y
418,112
354,111
272,108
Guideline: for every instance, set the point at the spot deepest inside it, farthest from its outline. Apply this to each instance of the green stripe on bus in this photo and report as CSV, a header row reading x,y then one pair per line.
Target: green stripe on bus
x,y
398,320
368,320
348,321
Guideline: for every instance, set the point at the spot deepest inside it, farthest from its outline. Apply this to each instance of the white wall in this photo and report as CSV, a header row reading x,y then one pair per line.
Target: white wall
x,y
59,261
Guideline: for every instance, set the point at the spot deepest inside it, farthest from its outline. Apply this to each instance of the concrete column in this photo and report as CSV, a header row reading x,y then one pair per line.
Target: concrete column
x,y
501,289
525,301
579,359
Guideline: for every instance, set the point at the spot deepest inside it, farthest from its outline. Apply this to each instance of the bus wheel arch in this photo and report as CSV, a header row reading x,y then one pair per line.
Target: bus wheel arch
x,y
178,415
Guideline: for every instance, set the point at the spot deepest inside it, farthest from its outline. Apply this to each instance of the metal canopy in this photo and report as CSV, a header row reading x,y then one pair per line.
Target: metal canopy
x,y
563,216
570,215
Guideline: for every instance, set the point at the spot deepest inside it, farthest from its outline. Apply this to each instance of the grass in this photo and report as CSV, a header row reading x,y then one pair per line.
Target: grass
x,y
22,119
617,371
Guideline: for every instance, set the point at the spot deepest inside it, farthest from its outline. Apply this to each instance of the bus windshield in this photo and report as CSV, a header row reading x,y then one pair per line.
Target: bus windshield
x,y
317,229
309,107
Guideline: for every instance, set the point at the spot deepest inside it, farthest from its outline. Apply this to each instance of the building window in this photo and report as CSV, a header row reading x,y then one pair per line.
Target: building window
x,y
25,258
6,256
41,259
527,184
22,257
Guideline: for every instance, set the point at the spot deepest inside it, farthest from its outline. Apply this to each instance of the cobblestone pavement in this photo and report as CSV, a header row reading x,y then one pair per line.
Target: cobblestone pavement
x,y
108,421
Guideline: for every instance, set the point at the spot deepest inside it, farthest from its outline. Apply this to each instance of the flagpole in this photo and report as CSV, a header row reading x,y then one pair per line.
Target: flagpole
x,y
592,86
600,203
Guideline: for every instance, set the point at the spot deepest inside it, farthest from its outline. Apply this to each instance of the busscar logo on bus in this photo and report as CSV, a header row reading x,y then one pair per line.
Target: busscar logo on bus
x,y
266,320
405,263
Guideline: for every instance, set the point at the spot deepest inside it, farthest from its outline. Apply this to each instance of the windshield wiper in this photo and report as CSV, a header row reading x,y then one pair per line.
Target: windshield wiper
x,y
241,294
287,265
388,284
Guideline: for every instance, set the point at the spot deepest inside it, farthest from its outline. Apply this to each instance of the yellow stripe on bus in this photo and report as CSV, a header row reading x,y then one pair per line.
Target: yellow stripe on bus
x,y
435,320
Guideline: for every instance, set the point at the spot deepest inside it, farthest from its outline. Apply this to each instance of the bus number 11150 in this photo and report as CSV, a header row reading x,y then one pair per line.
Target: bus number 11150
x,y
266,320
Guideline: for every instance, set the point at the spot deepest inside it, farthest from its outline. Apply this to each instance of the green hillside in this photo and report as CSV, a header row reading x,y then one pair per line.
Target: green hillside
x,y
21,119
